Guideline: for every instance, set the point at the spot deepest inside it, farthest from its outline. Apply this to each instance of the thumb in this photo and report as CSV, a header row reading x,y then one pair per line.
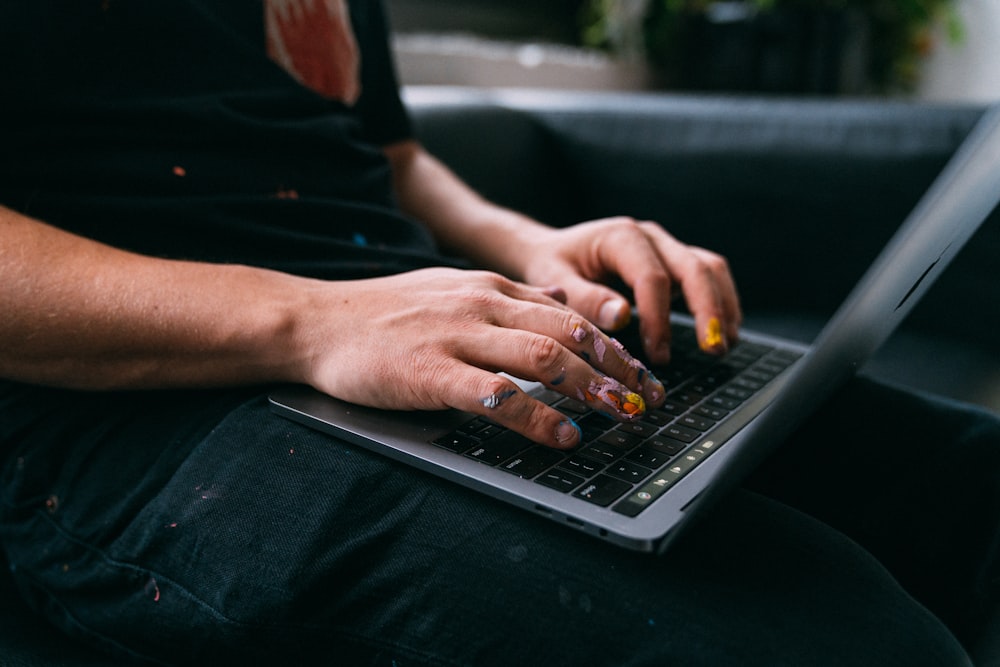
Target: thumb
x,y
600,304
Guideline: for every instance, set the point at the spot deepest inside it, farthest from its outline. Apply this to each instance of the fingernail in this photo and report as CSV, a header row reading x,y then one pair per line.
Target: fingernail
x,y
713,340
633,404
568,433
613,314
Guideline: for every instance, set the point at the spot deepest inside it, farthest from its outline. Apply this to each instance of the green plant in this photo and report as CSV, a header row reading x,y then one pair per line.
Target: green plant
x,y
901,33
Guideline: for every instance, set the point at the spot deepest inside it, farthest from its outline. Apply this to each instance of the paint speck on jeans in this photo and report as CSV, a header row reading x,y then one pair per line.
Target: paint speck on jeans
x,y
651,622
179,171
152,589
359,239
52,504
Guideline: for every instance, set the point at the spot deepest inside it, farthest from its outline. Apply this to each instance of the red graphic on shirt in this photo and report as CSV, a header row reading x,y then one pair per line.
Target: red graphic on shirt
x,y
313,41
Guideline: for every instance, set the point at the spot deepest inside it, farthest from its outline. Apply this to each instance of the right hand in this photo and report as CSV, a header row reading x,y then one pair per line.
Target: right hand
x,y
436,338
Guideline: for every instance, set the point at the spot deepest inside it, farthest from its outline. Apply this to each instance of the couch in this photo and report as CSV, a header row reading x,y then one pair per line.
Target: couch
x,y
799,195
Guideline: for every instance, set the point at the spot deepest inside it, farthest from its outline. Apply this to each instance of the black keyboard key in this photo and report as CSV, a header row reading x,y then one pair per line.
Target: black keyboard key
x,y
666,446
456,442
571,406
724,402
500,448
670,408
658,417
697,422
603,490
737,393
710,411
620,439
633,473
686,397
560,480
746,383
648,458
682,433
529,463
602,452
581,465
640,429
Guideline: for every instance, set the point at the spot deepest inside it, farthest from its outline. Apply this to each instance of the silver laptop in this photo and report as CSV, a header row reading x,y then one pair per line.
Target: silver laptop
x,y
638,484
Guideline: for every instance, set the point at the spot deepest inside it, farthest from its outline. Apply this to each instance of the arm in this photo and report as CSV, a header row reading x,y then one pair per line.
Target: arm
x,y
576,259
88,316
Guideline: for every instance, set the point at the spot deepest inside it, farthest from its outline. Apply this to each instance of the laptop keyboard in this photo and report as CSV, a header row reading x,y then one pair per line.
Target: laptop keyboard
x,y
627,466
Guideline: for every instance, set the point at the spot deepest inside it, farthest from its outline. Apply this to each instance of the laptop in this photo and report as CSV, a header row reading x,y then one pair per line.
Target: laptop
x,y
640,484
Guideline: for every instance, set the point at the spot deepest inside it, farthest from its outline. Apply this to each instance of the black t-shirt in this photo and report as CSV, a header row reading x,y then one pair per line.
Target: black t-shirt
x,y
221,130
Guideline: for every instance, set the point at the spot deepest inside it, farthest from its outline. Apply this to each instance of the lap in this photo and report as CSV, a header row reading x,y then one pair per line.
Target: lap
x,y
247,534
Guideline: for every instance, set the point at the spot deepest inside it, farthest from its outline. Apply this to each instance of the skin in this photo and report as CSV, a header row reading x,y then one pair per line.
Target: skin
x,y
92,317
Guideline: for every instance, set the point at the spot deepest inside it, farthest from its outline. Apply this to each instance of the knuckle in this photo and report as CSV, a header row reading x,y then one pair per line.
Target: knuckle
x,y
715,263
544,352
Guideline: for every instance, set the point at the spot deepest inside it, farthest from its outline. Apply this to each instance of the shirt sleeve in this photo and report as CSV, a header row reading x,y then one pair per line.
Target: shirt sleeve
x,y
384,117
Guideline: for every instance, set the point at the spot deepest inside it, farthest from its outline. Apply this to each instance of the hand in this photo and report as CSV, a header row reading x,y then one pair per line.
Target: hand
x,y
650,261
436,338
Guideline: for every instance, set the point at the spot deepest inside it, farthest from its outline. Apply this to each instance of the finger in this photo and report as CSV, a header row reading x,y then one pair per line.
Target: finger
x,y
707,285
503,402
732,312
598,303
568,354
631,254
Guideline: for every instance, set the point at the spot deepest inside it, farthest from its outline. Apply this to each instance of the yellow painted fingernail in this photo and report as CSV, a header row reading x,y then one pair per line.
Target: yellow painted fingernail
x,y
633,404
713,335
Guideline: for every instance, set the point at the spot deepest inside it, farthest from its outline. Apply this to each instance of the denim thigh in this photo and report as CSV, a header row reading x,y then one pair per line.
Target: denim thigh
x,y
238,536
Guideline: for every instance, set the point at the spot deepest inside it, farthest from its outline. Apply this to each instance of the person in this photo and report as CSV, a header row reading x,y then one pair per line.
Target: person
x,y
204,200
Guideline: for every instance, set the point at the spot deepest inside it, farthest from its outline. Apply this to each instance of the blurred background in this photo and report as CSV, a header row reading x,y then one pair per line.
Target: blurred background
x,y
938,50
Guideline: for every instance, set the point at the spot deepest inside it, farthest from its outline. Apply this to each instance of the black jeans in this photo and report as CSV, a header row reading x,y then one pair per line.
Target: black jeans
x,y
197,526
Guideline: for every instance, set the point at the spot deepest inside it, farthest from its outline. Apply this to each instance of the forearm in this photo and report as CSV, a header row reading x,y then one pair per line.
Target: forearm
x,y
459,217
81,314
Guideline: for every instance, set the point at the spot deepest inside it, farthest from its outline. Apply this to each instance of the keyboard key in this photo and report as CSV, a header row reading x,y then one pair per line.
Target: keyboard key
x,y
686,397
581,465
640,429
603,490
724,402
560,480
697,422
602,452
529,463
682,433
648,458
633,473
621,439
500,448
571,406
665,446
710,411
456,442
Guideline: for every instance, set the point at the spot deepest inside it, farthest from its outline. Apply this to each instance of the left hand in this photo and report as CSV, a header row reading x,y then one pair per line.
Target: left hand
x,y
652,263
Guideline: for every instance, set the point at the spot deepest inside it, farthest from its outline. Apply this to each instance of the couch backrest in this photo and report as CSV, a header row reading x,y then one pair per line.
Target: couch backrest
x,y
800,195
